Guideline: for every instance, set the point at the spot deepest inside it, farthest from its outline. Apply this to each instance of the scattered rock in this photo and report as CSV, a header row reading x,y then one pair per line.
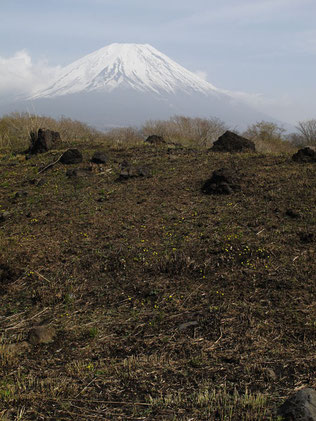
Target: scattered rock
x,y
307,154
71,156
41,335
77,172
43,141
155,140
232,142
99,158
299,407
223,181
129,171
4,216
306,237
143,172
292,214
8,275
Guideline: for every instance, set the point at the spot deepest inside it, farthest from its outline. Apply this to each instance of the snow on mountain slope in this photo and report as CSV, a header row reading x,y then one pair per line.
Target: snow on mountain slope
x,y
137,66
129,84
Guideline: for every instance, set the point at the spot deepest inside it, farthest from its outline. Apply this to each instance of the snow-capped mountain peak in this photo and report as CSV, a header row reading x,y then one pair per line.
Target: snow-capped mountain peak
x,y
129,84
137,66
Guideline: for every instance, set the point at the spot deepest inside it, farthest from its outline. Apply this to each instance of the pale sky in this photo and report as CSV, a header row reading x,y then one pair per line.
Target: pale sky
x,y
265,50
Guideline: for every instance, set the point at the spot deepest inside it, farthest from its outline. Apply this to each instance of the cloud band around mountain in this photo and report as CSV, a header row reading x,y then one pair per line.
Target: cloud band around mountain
x,y
19,75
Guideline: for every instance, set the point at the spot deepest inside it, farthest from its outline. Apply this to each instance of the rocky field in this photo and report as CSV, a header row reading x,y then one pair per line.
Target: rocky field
x,y
133,288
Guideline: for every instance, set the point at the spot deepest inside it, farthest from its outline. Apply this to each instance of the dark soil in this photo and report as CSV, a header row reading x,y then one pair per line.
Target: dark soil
x,y
168,304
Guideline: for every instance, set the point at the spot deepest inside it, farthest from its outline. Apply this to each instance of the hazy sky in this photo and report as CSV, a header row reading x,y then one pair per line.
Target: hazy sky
x,y
264,49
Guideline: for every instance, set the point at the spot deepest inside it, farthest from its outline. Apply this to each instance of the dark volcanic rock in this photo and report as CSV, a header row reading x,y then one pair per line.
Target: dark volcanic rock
x,y
307,154
223,181
4,216
232,142
41,335
292,214
129,171
155,140
99,158
77,172
299,407
8,275
43,141
307,237
71,156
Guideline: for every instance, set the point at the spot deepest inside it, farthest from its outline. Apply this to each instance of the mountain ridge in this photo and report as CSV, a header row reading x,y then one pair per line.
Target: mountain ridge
x,y
128,84
137,66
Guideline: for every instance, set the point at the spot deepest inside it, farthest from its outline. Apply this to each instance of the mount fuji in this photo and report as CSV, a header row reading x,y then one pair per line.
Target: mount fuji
x,y
139,67
127,84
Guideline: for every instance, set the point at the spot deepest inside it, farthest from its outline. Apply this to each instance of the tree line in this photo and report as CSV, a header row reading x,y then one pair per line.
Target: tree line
x,y
189,131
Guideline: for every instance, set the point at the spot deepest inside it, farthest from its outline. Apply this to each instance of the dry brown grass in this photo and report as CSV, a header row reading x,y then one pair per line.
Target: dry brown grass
x,y
168,304
123,137
269,138
188,131
15,130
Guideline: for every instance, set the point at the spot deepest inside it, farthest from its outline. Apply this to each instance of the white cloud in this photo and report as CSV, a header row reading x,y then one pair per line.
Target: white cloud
x,y
201,74
281,107
261,102
20,76
253,99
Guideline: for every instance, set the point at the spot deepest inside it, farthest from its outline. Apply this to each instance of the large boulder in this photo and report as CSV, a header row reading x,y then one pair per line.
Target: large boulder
x,y
299,407
307,154
43,141
232,142
155,140
222,181
71,156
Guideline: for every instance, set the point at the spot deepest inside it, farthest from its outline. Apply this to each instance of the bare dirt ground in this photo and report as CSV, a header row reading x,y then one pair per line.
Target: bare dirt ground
x,y
165,303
